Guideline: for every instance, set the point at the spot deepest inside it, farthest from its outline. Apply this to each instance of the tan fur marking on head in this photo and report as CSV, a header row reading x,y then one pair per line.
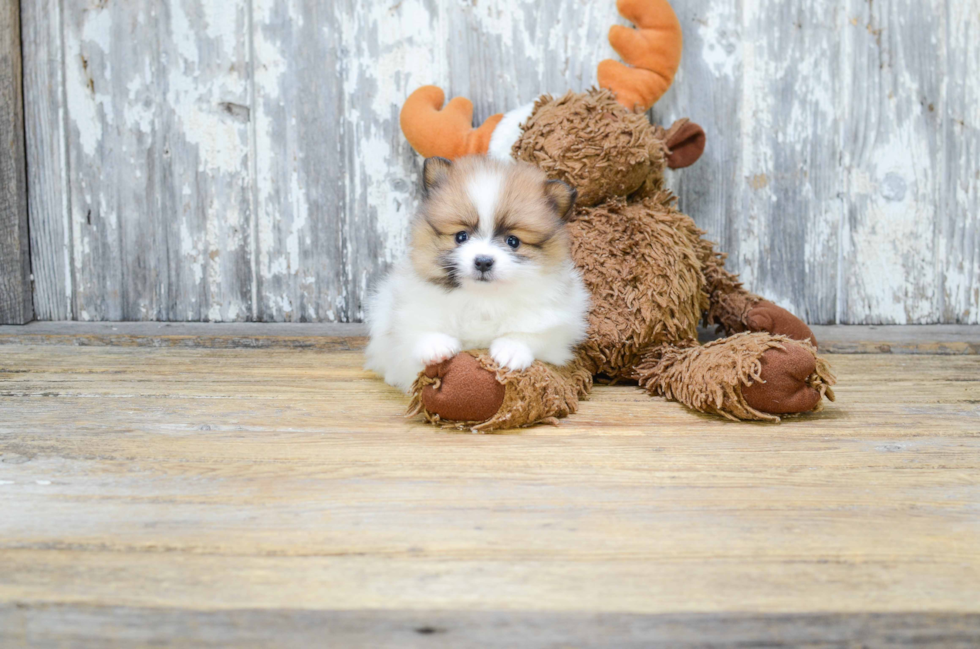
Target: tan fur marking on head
x,y
527,211
524,208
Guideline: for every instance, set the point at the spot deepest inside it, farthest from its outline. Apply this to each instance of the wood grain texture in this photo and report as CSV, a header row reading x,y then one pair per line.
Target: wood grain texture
x,y
789,218
47,155
892,131
85,626
182,487
157,105
255,170
302,271
16,302
958,229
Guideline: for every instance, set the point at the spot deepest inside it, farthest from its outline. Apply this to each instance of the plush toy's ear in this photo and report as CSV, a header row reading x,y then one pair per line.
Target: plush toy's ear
x,y
434,172
562,198
685,142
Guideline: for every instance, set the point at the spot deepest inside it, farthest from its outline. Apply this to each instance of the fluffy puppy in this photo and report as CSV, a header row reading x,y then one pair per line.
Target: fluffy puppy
x,y
489,266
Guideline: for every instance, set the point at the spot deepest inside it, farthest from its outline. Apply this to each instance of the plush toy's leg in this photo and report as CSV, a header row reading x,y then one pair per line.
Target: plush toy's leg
x,y
470,391
738,310
746,376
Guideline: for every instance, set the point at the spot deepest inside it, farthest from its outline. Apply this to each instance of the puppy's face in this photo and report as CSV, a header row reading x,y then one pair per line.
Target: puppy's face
x,y
485,223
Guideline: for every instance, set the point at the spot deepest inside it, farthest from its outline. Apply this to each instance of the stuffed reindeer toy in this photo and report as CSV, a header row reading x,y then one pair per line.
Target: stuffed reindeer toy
x,y
651,275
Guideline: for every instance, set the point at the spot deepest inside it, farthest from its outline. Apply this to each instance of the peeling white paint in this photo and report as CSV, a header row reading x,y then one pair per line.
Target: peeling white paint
x,y
190,248
891,182
222,141
719,32
297,226
405,59
87,103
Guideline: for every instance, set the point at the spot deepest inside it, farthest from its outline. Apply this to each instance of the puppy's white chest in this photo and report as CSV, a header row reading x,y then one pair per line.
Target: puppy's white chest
x,y
479,324
479,327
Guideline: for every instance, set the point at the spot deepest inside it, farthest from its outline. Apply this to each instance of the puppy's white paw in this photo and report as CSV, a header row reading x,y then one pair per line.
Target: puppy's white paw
x,y
511,353
436,348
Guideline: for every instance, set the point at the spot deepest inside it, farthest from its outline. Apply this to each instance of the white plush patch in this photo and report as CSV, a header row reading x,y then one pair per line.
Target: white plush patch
x,y
508,131
484,191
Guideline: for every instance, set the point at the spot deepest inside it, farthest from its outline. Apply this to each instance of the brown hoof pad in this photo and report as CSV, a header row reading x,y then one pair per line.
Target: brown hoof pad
x,y
785,390
766,316
465,390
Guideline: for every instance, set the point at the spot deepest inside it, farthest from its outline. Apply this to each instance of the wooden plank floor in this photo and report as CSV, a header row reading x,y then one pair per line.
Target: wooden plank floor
x,y
253,496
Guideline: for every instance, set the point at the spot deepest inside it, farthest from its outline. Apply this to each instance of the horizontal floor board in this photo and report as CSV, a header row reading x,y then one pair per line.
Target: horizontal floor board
x,y
85,626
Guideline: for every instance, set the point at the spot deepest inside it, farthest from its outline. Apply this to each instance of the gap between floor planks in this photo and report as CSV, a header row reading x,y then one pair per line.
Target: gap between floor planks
x,y
842,339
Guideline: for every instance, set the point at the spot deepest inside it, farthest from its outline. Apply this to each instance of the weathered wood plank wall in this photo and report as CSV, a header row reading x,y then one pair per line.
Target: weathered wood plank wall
x,y
16,301
241,159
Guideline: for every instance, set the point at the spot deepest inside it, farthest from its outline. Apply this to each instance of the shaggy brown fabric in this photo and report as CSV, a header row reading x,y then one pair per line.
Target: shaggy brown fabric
x,y
711,378
640,264
788,382
728,302
592,143
540,394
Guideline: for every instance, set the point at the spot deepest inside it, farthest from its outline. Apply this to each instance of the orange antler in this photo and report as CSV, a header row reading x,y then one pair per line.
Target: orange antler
x,y
653,51
448,132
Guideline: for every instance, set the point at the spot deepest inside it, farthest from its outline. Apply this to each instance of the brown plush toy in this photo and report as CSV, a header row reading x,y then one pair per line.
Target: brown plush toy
x,y
651,274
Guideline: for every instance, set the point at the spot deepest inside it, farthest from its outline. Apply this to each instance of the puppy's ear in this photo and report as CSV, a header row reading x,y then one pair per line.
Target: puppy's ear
x,y
434,172
562,198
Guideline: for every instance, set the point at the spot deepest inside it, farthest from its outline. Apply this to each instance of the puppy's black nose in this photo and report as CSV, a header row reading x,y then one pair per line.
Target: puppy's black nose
x,y
483,263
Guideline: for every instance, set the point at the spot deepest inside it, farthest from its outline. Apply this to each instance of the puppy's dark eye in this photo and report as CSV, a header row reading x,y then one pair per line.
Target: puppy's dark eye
x,y
462,237
513,242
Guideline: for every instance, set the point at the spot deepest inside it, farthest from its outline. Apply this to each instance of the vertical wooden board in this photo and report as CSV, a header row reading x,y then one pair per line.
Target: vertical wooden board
x,y
788,185
204,46
959,219
892,157
708,90
388,50
15,264
47,170
157,99
299,163
95,194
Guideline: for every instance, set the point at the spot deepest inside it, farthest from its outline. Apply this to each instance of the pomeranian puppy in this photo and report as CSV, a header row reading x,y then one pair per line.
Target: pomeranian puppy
x,y
489,266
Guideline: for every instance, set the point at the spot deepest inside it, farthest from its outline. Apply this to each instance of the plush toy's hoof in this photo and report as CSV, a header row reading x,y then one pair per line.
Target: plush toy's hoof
x,y
786,382
766,316
464,391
